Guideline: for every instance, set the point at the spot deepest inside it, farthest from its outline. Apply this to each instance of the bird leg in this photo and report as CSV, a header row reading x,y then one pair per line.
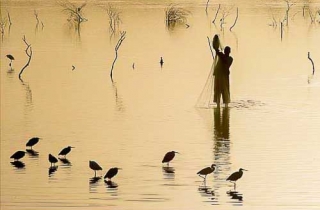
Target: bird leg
x,y
202,177
95,174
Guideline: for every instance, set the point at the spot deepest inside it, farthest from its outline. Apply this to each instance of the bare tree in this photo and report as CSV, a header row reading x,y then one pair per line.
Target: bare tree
x,y
28,52
175,15
114,18
121,39
75,12
289,5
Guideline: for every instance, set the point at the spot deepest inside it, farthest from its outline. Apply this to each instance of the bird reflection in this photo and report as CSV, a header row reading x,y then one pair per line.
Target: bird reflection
x,y
235,196
52,169
168,170
111,184
18,164
207,192
65,161
32,152
94,179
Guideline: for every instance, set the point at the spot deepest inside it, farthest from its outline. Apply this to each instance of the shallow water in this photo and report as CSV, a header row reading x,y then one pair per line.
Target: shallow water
x,y
271,128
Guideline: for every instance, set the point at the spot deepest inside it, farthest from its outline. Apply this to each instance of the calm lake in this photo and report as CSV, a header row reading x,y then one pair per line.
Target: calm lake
x,y
271,128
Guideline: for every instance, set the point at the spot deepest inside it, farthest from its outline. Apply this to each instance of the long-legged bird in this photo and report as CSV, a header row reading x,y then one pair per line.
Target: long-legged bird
x,y
235,176
65,151
18,155
94,166
204,172
111,173
32,142
169,156
52,159
11,58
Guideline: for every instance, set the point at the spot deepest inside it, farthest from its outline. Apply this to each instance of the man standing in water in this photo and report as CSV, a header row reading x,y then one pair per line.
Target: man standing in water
x,y
221,76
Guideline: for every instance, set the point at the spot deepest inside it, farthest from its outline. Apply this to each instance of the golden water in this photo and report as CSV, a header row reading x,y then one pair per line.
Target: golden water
x,y
271,128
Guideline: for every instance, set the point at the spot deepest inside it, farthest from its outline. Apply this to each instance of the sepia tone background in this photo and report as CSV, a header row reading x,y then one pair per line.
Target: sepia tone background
x,y
271,128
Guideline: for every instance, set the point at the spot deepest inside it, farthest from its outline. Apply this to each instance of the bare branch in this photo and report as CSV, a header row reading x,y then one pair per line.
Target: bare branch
x,y
313,69
121,39
28,52
215,17
235,21
207,7
9,18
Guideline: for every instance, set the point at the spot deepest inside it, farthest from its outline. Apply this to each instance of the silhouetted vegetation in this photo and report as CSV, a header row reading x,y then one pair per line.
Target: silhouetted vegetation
x,y
75,12
215,17
235,21
121,39
311,63
114,18
28,52
175,16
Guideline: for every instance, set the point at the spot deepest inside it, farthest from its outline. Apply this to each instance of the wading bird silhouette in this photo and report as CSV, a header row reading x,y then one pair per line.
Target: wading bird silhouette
x,y
161,61
204,172
94,166
52,159
169,156
111,173
235,176
32,142
18,155
65,151
11,58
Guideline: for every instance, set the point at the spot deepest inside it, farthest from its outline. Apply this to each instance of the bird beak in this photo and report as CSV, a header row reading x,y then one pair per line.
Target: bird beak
x,y
245,170
119,168
72,147
178,153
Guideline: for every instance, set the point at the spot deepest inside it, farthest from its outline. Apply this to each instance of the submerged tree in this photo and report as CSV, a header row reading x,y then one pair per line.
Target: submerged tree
x,y
114,18
75,12
175,16
121,39
28,52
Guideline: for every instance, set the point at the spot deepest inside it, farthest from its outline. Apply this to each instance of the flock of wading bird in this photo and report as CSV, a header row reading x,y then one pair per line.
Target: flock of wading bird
x,y
112,171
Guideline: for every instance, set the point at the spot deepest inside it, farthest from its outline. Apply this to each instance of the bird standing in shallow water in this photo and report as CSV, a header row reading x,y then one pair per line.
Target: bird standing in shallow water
x,y
11,58
52,159
94,166
207,171
65,151
169,156
161,61
32,142
18,155
235,176
111,173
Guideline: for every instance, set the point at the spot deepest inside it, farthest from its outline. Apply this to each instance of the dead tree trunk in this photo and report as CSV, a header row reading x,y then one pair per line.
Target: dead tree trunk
x,y
29,54
122,37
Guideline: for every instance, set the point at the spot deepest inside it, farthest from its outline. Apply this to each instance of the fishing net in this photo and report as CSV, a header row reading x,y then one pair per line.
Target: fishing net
x,y
205,99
